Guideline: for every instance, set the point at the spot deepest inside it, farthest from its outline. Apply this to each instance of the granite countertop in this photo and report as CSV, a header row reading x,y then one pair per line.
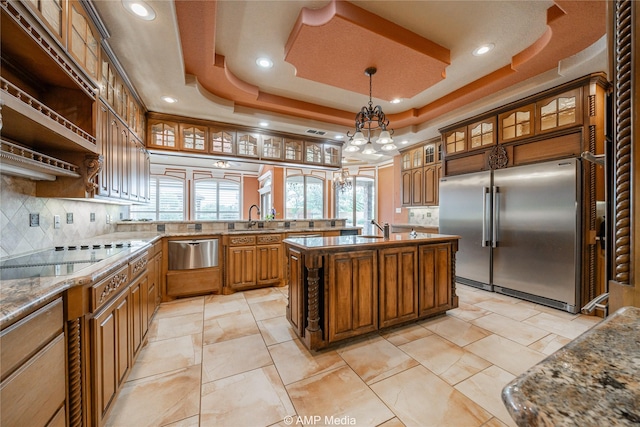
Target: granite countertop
x,y
592,381
347,242
20,296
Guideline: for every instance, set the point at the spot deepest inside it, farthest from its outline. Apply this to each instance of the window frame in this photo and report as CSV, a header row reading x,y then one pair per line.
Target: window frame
x,y
217,212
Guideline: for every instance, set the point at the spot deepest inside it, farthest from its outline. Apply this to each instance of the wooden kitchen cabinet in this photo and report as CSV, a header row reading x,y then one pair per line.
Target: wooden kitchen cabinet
x,y
455,141
482,134
253,260
138,293
162,134
269,264
111,348
559,111
419,183
241,263
435,278
398,290
193,138
33,365
353,296
516,124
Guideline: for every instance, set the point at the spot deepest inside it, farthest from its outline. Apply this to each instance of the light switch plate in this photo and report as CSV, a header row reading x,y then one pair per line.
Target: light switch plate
x,y
92,217
56,221
70,218
34,220
398,210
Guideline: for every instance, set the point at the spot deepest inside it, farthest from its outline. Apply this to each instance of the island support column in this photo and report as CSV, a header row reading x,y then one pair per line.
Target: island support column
x,y
313,332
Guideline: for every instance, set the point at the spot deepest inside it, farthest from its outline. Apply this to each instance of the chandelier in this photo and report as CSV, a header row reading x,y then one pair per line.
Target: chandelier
x,y
370,119
341,181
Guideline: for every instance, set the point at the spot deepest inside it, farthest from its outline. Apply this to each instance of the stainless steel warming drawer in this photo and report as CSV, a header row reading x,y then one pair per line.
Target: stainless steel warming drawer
x,y
191,254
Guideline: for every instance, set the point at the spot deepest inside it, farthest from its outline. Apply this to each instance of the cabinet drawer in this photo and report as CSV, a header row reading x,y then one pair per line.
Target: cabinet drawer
x,y
36,391
241,240
138,265
269,239
22,340
109,287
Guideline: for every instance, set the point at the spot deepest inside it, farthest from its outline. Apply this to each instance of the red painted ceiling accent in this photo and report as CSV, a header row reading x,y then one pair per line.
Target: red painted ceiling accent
x,y
335,44
572,27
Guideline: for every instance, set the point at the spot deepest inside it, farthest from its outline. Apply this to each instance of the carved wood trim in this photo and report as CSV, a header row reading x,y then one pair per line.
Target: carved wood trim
x,y
313,279
498,157
74,362
113,285
139,265
623,101
93,163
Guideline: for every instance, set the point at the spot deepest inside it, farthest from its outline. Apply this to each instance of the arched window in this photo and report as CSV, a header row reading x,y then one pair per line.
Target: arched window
x,y
166,200
358,204
304,197
216,199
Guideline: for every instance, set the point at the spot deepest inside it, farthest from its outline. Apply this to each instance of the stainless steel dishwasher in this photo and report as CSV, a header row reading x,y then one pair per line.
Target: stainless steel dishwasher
x,y
191,254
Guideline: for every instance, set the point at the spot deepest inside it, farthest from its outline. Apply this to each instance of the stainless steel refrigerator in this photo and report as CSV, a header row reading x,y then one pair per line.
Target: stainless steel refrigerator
x,y
520,230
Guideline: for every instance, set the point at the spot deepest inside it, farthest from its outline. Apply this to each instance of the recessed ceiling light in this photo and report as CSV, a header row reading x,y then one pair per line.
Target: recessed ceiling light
x,y
169,100
396,101
389,147
264,124
485,48
406,141
140,9
339,136
264,62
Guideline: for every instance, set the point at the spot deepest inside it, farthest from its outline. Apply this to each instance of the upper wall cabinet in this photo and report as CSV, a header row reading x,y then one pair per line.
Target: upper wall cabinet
x,y
482,134
54,80
516,124
193,138
168,132
420,174
83,40
455,140
163,135
560,111
547,126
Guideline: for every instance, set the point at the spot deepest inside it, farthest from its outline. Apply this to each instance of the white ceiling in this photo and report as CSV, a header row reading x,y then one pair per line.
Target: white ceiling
x,y
150,52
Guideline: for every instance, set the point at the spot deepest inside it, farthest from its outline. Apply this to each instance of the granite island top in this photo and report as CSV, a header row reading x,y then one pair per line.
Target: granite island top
x,y
348,242
592,381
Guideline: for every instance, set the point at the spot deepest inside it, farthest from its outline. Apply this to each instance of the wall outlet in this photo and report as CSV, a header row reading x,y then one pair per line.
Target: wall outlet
x,y
70,218
56,221
92,217
398,210
34,220
428,214
108,219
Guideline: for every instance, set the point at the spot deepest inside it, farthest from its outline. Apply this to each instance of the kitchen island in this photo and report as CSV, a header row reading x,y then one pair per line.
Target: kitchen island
x,y
347,286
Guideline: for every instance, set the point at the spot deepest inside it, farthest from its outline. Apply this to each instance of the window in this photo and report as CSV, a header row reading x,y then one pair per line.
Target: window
x,y
304,197
217,199
358,204
169,206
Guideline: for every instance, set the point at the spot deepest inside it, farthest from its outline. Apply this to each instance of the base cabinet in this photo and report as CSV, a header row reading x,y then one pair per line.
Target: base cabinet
x,y
241,272
353,296
33,364
435,279
398,285
253,261
110,330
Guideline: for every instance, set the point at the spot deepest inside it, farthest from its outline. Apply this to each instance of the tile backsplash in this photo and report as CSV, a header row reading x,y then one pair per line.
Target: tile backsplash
x,y
18,201
427,216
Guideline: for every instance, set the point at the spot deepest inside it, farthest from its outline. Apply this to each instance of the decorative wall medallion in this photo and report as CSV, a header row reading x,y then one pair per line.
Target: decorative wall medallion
x,y
498,158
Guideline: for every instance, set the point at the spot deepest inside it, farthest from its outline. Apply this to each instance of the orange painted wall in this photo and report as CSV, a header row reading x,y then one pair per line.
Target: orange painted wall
x,y
403,216
386,194
250,194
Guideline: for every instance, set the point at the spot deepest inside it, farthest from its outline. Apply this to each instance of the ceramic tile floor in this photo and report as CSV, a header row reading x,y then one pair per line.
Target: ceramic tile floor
x,y
234,361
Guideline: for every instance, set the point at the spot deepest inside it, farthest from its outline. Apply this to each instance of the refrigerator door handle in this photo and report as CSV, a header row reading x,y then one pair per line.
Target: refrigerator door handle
x,y
496,209
485,193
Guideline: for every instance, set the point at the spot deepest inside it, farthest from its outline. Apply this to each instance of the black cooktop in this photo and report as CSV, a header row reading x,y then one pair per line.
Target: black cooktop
x,y
60,261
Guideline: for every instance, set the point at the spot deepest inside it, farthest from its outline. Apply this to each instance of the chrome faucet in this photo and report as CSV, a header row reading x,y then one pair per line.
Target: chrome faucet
x,y
384,229
252,223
